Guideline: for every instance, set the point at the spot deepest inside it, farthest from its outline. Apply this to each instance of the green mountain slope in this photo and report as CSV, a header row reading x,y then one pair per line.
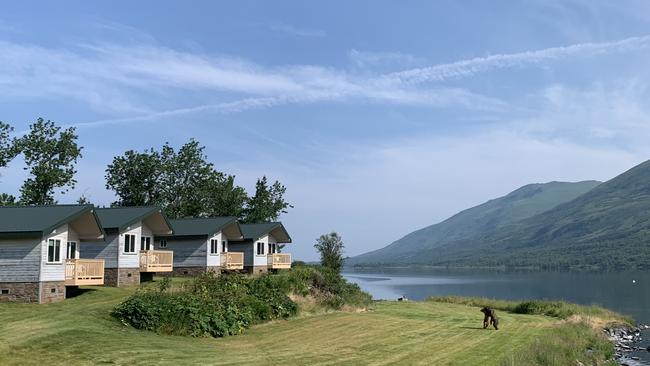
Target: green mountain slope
x,y
419,246
608,227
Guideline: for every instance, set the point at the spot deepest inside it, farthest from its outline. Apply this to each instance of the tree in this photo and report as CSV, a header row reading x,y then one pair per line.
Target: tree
x,y
182,182
50,155
8,149
267,204
135,178
83,200
330,247
7,200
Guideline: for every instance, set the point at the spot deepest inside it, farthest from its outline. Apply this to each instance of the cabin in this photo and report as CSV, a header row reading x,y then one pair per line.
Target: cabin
x,y
40,250
261,246
128,249
201,244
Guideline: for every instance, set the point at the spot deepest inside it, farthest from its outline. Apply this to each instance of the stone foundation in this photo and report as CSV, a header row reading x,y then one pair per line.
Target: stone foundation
x,y
19,291
121,277
257,270
188,271
52,292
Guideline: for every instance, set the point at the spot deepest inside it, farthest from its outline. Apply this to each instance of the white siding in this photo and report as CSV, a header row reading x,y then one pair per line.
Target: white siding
x,y
261,259
56,271
20,260
214,259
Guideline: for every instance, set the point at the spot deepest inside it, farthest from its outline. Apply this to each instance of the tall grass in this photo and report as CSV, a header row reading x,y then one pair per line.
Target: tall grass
x,y
556,309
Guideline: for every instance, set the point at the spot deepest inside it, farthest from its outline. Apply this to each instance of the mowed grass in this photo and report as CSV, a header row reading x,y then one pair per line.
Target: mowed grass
x,y
81,331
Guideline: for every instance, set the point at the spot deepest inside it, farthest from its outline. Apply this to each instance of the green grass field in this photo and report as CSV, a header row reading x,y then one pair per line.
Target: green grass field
x,y
81,331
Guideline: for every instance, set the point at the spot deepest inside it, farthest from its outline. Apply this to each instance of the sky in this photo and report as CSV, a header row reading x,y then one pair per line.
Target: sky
x,y
380,117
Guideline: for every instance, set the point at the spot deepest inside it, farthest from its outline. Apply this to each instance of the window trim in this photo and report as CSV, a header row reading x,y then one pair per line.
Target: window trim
x,y
162,243
57,244
214,247
143,239
224,246
67,250
260,244
132,244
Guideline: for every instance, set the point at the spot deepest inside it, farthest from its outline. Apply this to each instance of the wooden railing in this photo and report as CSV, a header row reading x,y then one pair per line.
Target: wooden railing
x,y
279,261
80,272
156,261
232,260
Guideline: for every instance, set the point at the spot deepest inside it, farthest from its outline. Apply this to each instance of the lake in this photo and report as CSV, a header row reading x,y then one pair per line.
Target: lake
x,y
624,292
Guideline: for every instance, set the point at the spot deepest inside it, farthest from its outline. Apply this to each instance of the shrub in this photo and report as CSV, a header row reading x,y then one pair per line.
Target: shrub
x,y
225,305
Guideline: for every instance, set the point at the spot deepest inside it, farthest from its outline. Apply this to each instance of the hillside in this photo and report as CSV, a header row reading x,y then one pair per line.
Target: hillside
x,y
608,226
520,204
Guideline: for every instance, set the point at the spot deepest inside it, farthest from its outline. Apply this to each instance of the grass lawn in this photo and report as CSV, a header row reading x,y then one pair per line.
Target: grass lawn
x,y
81,331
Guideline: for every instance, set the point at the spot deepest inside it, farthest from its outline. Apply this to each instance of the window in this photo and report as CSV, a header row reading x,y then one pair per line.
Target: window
x,y
54,250
5,291
72,250
224,247
145,243
129,243
163,243
214,246
260,248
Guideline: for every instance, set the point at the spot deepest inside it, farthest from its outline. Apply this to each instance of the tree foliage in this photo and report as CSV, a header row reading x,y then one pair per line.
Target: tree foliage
x,y
181,181
7,146
267,204
330,248
50,154
7,200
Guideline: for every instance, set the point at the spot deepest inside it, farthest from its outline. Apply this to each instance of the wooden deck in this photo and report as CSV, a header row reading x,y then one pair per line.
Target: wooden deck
x,y
83,272
279,261
156,261
232,261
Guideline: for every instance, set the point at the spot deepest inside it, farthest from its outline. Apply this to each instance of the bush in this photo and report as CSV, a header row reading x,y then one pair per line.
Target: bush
x,y
225,305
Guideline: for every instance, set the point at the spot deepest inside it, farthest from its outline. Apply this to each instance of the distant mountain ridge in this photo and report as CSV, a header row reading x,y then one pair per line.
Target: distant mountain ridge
x,y
520,204
606,227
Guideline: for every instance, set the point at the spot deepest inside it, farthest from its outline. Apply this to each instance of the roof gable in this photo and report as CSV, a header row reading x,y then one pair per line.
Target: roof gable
x,y
256,231
121,218
18,221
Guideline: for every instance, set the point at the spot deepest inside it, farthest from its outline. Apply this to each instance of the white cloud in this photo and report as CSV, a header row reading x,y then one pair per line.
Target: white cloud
x,y
367,58
471,67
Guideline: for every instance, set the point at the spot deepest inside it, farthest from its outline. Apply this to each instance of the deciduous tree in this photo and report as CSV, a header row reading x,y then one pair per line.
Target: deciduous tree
x,y
50,154
267,204
330,248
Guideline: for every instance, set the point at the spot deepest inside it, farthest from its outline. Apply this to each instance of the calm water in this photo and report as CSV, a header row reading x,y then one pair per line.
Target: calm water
x,y
625,292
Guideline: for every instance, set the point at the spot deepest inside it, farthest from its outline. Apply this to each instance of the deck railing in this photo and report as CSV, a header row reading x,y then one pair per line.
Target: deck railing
x,y
80,272
156,260
232,260
279,261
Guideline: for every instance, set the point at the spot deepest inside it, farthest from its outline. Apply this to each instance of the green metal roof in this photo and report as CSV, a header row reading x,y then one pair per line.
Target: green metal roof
x,y
256,231
201,226
122,217
18,221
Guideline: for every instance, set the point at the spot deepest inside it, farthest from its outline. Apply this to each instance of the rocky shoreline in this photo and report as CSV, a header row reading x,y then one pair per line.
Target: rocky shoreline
x,y
626,340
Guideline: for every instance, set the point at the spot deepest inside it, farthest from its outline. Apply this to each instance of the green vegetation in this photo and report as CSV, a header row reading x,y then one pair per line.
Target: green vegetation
x,y
418,246
81,331
225,305
330,247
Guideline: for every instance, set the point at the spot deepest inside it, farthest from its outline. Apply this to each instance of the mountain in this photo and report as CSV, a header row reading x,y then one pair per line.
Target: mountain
x,y
530,200
607,227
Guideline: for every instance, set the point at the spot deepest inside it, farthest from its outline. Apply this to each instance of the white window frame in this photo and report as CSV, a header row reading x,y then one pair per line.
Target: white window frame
x,y
260,244
162,243
73,254
214,247
56,252
143,240
224,246
131,242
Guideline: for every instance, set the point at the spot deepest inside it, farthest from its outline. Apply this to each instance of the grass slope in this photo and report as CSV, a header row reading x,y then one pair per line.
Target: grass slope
x,y
608,227
80,331
520,204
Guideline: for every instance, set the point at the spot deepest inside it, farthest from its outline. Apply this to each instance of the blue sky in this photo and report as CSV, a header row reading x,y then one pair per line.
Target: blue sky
x,y
380,117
